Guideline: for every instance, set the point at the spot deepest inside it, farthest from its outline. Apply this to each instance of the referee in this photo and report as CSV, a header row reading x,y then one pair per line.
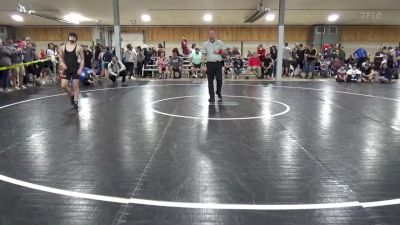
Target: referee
x,y
213,50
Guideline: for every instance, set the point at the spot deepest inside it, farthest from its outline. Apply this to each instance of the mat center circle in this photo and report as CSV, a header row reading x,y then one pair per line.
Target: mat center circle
x,y
231,108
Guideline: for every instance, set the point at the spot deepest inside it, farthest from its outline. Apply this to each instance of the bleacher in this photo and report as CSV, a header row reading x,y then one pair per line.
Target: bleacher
x,y
152,67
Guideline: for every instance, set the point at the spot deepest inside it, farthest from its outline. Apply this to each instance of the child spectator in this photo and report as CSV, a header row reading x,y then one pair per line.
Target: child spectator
x,y
341,74
324,67
162,63
238,66
228,67
353,74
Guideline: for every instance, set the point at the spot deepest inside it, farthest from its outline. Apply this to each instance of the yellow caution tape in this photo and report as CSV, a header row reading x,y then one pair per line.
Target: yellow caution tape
x,y
24,64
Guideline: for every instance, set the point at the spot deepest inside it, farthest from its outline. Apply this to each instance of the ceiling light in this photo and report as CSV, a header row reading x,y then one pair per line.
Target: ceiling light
x,y
146,18
75,18
17,18
207,17
333,17
270,17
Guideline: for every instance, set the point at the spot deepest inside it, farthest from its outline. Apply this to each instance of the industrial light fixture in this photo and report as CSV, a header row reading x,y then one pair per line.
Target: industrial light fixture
x,y
75,18
333,17
71,18
146,18
270,17
207,17
260,12
17,18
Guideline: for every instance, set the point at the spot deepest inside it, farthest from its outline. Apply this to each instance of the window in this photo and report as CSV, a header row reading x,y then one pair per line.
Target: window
x,y
320,30
332,30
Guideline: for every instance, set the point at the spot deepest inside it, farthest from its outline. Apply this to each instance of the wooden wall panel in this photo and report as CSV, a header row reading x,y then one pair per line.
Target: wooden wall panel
x,y
53,33
370,34
300,34
227,33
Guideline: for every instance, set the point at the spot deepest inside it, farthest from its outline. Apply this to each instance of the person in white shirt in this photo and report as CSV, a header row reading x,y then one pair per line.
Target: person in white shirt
x,y
195,61
130,57
287,56
354,74
52,53
115,69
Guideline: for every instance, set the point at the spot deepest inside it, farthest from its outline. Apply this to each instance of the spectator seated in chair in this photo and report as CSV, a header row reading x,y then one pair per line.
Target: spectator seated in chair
x,y
116,68
195,61
254,65
162,63
324,68
336,66
353,74
228,67
267,67
238,66
175,64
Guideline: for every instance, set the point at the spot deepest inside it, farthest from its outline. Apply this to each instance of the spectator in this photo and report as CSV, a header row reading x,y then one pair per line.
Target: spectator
x,y
193,49
287,57
311,58
381,52
195,62
147,57
106,59
254,65
295,58
360,55
367,72
238,65
30,56
130,56
341,74
228,66
175,63
139,61
162,63
350,61
353,74
235,51
18,73
184,45
249,54
324,67
160,49
385,74
267,67
96,53
52,53
336,65
5,60
274,55
391,59
116,68
301,56
88,56
261,52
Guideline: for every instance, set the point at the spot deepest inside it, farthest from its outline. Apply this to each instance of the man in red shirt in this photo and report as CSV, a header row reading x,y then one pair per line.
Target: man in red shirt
x,y
254,65
184,45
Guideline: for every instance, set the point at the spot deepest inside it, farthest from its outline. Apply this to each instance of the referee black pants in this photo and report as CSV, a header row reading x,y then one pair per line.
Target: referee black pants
x,y
214,69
